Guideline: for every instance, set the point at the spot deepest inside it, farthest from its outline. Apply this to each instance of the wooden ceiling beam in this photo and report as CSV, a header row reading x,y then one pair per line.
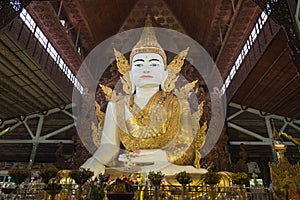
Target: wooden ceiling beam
x,y
7,63
27,47
278,94
247,100
245,16
46,18
19,95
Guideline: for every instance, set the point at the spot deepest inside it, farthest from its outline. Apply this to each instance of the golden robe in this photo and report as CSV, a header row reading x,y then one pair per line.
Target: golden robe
x,y
164,123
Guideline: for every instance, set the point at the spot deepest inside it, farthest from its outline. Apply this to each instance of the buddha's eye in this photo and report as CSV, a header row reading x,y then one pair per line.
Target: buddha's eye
x,y
154,64
138,65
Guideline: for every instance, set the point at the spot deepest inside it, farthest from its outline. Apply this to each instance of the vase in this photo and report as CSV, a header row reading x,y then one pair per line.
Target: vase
x,y
184,192
212,191
120,195
79,192
156,192
52,193
97,195
242,192
8,190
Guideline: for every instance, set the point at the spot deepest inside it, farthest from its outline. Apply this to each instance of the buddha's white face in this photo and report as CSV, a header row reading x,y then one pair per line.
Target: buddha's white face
x,y
147,70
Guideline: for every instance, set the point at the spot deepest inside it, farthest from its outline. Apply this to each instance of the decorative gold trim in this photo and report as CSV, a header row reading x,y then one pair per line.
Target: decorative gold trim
x,y
169,84
148,42
122,62
285,177
97,130
107,91
127,86
177,63
199,141
173,68
185,91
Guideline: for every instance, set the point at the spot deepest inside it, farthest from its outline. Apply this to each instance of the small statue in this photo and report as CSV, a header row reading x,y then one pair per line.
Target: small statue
x,y
61,161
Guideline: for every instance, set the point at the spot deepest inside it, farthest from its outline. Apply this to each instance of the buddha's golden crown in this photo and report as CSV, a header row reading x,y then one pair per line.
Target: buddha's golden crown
x,y
148,42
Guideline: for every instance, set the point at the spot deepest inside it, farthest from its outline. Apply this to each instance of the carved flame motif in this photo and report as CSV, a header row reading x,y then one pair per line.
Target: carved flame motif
x,y
122,62
97,130
285,175
177,63
107,91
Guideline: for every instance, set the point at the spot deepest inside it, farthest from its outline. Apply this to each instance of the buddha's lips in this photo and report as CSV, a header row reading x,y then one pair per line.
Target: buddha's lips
x,y
146,76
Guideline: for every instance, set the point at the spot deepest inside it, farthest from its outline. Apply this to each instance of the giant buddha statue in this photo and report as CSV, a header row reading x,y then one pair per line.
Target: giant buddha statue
x,y
151,123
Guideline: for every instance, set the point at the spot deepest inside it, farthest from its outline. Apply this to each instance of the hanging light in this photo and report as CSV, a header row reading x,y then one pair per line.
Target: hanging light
x,y
279,145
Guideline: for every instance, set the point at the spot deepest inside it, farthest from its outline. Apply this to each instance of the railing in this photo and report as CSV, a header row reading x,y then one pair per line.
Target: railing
x,y
166,192
206,192
259,193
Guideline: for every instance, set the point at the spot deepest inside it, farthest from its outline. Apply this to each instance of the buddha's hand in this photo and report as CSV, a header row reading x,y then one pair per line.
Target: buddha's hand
x,y
94,165
144,156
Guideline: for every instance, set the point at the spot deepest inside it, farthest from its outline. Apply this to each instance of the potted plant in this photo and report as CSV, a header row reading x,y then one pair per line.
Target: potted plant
x,y
121,188
98,187
184,178
155,179
239,178
48,173
211,179
53,187
80,177
19,175
49,177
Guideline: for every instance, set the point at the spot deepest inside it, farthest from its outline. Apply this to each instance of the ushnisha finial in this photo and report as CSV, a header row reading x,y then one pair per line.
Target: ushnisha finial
x,y
148,42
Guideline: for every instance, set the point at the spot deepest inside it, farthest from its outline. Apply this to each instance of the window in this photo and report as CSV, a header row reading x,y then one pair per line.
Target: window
x,y
41,37
247,46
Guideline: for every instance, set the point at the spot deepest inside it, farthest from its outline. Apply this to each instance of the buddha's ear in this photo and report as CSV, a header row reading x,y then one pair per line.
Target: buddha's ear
x,y
164,78
133,87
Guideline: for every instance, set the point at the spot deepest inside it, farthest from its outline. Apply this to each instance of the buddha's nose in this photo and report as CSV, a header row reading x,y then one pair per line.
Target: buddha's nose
x,y
146,69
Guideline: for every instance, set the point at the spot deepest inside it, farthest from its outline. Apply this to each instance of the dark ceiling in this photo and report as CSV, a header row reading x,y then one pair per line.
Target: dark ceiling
x,y
31,83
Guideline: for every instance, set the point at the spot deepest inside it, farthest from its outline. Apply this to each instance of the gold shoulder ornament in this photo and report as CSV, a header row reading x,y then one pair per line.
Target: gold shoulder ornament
x,y
199,141
185,91
173,68
107,91
125,80
122,62
110,94
177,62
172,77
97,130
124,68
200,133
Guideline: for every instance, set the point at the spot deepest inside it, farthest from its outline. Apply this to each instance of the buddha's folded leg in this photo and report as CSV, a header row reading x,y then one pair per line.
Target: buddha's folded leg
x,y
170,169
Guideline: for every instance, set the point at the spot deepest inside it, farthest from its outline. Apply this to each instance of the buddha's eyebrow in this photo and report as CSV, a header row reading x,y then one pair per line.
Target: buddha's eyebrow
x,y
154,60
138,60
